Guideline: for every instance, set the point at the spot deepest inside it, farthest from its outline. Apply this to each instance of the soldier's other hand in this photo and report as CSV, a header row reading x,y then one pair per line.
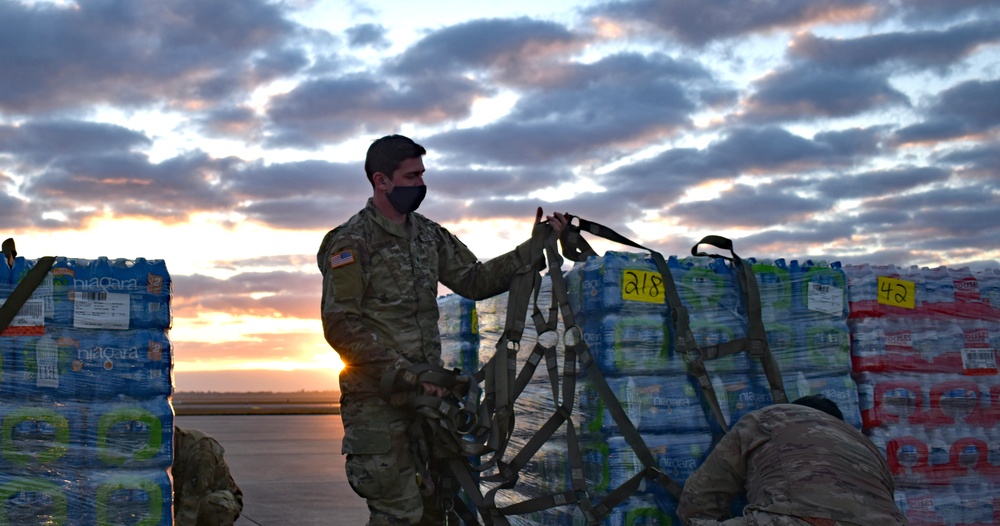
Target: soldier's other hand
x,y
557,221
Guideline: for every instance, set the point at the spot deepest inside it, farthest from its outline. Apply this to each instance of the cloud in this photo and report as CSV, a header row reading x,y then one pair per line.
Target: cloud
x,y
594,111
698,22
759,207
38,142
788,242
134,52
264,294
981,162
429,83
332,109
966,109
127,184
939,219
880,182
511,50
747,151
805,93
362,35
915,49
938,11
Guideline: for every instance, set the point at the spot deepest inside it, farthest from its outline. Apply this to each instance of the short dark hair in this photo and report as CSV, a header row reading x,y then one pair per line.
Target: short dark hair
x,y
386,154
822,403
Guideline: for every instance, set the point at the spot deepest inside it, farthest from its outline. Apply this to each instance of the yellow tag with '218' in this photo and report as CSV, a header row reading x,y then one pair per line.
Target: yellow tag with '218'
x,y
642,285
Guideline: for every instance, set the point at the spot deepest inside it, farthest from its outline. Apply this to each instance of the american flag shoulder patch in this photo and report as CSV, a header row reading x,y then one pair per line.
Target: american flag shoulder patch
x,y
341,258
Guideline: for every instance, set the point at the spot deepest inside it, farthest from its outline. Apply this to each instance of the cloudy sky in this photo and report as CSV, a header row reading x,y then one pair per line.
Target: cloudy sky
x,y
227,136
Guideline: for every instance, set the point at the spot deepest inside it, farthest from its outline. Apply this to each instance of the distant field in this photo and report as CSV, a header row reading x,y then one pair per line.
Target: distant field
x,y
258,403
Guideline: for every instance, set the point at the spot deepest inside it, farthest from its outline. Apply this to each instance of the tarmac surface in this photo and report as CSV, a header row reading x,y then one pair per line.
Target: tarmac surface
x,y
289,468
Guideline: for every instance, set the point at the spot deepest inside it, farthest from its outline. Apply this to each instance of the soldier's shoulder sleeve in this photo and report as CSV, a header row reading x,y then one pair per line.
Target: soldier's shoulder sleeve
x,y
342,258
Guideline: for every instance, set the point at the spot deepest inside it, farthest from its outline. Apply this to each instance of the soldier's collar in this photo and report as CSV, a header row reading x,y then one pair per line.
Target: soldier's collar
x,y
387,225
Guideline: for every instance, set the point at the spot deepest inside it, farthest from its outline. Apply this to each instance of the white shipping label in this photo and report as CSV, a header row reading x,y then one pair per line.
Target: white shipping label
x,y
47,361
826,299
979,361
32,314
101,310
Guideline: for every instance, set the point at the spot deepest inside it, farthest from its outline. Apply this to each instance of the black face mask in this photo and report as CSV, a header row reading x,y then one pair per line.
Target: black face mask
x,y
406,199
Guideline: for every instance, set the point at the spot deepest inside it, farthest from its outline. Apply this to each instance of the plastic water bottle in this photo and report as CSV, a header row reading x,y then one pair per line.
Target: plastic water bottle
x,y
699,285
827,348
40,497
131,434
709,333
775,287
880,437
781,340
130,496
939,450
988,282
819,290
993,438
654,404
979,353
457,316
862,290
638,344
868,345
40,308
677,454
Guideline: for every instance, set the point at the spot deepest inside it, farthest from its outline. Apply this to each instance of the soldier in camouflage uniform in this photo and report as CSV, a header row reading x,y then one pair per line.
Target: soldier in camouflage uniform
x,y
380,283
205,493
800,464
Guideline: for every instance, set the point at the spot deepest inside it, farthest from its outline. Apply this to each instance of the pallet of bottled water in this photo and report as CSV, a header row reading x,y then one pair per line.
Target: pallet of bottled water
x,y
617,301
925,349
86,426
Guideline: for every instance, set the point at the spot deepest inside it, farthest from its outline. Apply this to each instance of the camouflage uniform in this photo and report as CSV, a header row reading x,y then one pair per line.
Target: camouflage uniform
x,y
379,310
798,466
205,493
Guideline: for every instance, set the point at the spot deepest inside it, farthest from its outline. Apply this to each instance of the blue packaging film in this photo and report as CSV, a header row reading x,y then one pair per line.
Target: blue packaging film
x,y
42,436
131,434
41,497
86,374
132,497
102,294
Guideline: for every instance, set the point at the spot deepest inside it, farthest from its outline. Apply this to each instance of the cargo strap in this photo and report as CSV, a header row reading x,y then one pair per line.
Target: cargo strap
x,y
491,429
577,249
24,289
504,384
453,415
755,344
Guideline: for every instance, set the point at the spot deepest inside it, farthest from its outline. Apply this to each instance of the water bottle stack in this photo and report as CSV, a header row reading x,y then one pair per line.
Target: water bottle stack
x,y
86,426
805,312
618,302
924,349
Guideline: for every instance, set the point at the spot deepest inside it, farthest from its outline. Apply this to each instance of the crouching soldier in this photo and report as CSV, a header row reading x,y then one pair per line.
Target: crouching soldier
x,y
205,493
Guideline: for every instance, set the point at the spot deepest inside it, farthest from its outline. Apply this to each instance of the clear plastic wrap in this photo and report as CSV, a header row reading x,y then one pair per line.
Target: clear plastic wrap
x,y
87,423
